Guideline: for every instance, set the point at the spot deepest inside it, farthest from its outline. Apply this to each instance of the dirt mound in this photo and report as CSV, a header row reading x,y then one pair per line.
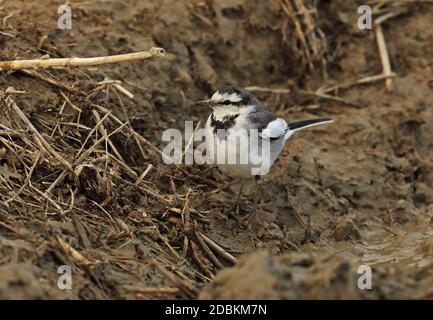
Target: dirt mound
x,y
301,276
21,281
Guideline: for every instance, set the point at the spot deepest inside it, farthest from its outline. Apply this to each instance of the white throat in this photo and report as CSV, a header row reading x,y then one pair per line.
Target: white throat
x,y
225,111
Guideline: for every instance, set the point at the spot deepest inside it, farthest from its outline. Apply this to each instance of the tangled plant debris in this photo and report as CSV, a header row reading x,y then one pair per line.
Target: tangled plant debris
x,y
82,182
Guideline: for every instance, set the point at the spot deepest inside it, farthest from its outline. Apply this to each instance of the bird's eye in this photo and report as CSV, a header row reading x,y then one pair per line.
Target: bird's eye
x,y
226,102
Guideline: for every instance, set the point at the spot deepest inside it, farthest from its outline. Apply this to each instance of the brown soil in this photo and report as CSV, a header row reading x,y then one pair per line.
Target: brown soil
x,y
362,186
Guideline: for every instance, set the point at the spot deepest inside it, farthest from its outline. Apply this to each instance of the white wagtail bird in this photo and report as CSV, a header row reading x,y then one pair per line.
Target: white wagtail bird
x,y
238,113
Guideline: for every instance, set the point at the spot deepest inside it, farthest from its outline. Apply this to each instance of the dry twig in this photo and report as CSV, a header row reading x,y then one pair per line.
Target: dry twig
x,y
384,57
80,62
186,289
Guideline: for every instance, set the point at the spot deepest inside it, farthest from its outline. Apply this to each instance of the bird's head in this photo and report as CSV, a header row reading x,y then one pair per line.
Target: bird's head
x,y
229,97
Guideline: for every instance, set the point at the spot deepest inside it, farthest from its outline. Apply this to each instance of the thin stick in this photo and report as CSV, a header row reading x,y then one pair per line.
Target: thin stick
x,y
124,91
78,224
324,90
143,175
57,181
49,80
73,106
80,62
41,141
170,247
27,180
132,131
295,210
191,140
84,154
203,246
217,248
48,198
346,85
329,97
388,16
186,289
288,9
384,57
318,93
7,34
92,148
140,147
90,134
104,133
8,227
10,134
78,257
195,253
107,213
263,89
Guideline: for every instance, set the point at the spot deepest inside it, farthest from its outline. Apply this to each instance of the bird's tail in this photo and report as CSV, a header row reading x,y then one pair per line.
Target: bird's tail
x,y
298,125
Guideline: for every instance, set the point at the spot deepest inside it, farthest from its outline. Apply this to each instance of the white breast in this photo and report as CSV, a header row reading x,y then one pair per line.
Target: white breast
x,y
219,151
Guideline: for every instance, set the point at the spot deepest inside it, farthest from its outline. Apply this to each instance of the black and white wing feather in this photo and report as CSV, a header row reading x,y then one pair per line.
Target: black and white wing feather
x,y
269,125
273,127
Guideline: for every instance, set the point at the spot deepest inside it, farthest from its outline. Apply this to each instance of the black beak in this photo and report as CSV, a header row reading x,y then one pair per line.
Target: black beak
x,y
204,103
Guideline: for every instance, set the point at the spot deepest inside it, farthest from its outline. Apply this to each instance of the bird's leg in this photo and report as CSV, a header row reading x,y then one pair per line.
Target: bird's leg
x,y
237,204
252,216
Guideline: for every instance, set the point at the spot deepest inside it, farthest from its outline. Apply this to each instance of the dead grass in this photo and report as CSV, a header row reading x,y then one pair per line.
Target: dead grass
x,y
69,166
